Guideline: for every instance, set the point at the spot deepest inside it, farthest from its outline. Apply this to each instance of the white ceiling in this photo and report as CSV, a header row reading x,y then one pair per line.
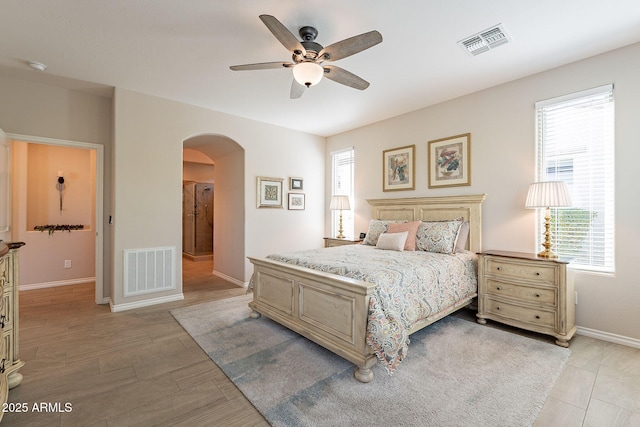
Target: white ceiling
x,y
182,50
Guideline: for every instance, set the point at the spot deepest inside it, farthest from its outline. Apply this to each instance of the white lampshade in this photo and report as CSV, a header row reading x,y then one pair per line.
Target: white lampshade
x,y
548,194
339,203
308,73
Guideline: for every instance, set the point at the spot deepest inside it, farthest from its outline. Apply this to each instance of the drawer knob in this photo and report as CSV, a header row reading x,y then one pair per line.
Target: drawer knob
x,y
498,268
537,316
537,295
499,288
537,274
498,308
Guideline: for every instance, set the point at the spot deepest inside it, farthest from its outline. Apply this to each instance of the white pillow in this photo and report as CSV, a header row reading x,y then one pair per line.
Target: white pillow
x,y
392,241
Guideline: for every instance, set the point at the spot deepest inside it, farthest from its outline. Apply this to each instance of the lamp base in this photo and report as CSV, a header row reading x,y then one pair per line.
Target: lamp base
x,y
340,230
547,254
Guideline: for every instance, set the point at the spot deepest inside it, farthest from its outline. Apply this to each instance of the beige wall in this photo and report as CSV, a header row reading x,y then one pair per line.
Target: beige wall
x,y
197,172
501,123
36,201
39,110
148,142
43,198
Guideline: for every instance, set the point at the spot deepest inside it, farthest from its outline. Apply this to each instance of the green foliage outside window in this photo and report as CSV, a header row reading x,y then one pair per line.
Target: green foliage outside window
x,y
572,227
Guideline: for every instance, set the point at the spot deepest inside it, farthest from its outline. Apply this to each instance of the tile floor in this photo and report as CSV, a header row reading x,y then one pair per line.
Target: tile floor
x,y
140,367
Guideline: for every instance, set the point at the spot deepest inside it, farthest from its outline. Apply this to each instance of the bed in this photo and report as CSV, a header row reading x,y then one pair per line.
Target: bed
x,y
334,310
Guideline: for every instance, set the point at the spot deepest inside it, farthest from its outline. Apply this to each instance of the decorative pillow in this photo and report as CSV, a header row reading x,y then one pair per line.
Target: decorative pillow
x,y
438,236
411,228
376,228
392,241
463,235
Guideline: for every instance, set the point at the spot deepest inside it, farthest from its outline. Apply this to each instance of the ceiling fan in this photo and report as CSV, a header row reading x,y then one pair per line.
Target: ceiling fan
x,y
308,56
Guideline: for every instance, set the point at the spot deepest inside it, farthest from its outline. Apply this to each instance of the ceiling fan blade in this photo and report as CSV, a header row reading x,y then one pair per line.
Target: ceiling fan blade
x,y
296,90
285,36
261,66
344,77
350,46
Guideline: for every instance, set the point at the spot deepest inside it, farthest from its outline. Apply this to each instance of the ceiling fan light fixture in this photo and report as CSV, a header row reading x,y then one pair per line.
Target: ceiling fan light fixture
x,y
308,73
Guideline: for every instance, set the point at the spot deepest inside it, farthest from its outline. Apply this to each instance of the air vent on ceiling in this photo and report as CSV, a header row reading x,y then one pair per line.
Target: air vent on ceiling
x,y
485,40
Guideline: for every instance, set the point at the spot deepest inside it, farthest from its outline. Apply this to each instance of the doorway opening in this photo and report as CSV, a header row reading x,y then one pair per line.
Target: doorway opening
x,y
197,221
85,176
214,165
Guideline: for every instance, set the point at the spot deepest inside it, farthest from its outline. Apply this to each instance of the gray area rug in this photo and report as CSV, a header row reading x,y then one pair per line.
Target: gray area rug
x,y
457,373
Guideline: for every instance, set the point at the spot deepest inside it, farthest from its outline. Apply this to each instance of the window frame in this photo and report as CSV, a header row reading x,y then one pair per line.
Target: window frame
x,y
344,188
592,196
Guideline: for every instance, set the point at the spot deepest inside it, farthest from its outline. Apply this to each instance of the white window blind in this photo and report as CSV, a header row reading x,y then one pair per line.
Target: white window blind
x,y
342,184
575,144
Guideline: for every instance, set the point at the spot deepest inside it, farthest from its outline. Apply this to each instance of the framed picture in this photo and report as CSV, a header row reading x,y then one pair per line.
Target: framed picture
x,y
450,161
296,201
295,184
269,192
398,169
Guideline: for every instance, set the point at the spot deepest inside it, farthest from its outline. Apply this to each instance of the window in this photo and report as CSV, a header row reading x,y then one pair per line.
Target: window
x,y
575,144
342,184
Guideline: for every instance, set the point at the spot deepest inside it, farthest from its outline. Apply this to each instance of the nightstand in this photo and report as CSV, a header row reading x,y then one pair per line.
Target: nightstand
x,y
523,290
332,241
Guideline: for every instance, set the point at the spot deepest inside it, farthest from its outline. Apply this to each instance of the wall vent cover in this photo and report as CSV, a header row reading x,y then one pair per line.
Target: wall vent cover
x,y
485,40
149,270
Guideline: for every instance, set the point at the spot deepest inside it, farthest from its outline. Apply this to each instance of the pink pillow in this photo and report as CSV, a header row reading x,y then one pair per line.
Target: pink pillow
x,y
411,228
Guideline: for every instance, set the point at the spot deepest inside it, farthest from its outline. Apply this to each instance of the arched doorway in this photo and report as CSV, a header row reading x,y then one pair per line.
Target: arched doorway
x,y
228,203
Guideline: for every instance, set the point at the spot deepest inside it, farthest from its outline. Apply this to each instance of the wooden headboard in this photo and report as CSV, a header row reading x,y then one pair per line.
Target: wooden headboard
x,y
434,209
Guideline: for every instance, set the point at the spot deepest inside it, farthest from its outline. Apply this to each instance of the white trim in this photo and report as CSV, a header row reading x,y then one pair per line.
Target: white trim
x,y
576,95
99,219
7,227
55,284
231,279
609,337
144,303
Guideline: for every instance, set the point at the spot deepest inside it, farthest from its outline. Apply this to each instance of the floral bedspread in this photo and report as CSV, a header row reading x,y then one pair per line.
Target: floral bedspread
x,y
411,286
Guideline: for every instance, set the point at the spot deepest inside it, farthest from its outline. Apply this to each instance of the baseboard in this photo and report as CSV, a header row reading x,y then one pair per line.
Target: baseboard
x,y
231,279
144,303
56,284
609,337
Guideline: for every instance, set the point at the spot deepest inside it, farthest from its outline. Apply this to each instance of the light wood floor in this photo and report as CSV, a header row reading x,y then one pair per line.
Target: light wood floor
x,y
140,368
133,368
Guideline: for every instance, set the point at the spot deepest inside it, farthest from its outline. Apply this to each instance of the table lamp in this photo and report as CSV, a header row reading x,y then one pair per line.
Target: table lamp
x,y
548,194
338,203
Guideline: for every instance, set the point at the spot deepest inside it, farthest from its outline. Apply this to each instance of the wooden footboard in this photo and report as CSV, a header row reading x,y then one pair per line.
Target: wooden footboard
x,y
329,310
332,310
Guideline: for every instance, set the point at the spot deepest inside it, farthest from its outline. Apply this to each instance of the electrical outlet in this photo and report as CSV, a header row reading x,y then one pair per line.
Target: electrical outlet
x,y
67,263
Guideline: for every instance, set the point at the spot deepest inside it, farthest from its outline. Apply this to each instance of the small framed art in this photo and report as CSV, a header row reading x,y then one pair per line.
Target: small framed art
x,y
295,184
398,169
269,192
296,201
450,161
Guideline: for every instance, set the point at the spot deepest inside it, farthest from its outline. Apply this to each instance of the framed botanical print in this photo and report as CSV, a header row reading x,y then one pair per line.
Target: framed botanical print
x,y
450,161
269,192
295,184
398,169
296,201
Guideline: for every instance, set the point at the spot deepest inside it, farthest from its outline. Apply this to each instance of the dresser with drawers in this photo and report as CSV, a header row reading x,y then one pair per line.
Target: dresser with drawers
x,y
10,362
529,292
